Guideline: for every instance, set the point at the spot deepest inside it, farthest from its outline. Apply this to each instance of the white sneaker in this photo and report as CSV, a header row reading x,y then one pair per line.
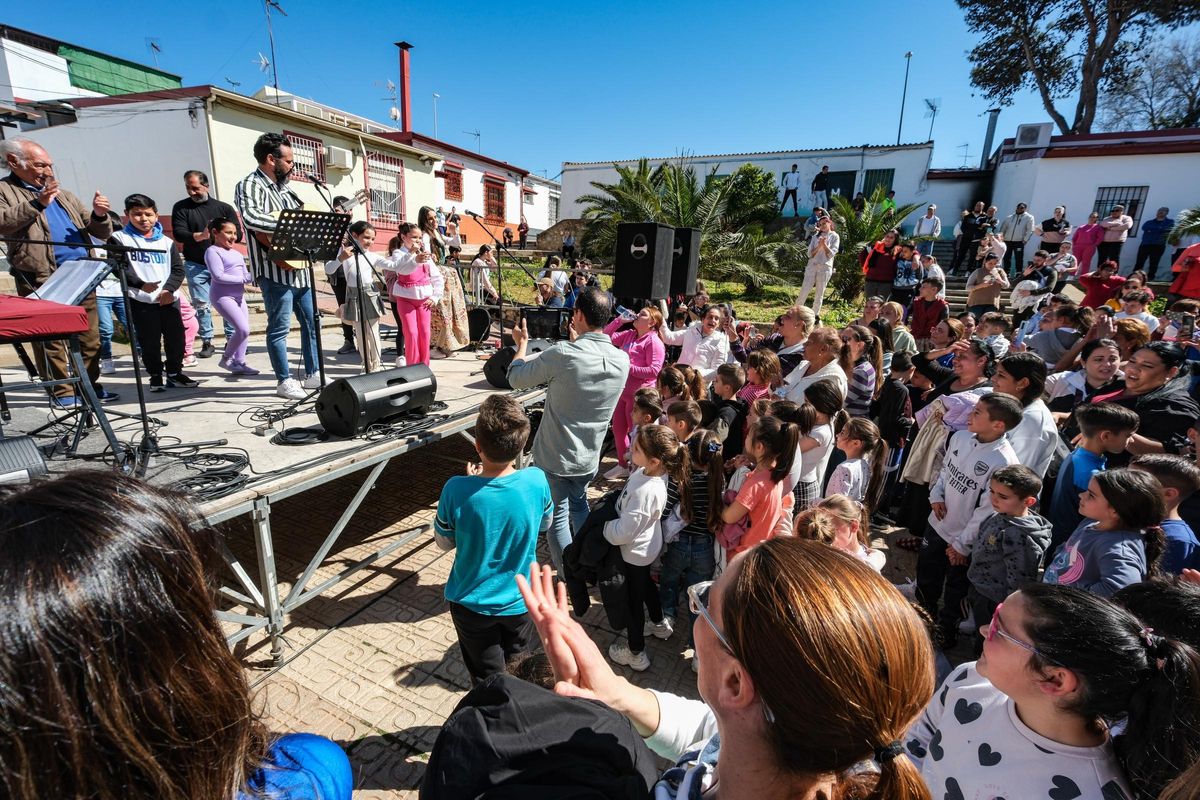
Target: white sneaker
x,y
661,630
312,381
290,389
106,366
619,653
189,361
400,362
616,473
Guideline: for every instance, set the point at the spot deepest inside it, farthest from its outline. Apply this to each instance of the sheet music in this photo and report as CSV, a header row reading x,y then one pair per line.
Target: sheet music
x,y
73,281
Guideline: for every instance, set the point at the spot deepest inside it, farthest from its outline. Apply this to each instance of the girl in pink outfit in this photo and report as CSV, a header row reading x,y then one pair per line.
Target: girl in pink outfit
x,y
417,289
1084,242
191,326
229,278
646,356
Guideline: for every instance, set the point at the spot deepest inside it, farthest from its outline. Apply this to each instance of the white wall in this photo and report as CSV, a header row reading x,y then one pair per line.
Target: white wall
x,y
537,213
1073,182
910,165
33,74
951,196
118,152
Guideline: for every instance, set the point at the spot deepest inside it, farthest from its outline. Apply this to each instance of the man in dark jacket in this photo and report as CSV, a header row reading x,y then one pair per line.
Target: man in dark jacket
x,y
189,226
34,206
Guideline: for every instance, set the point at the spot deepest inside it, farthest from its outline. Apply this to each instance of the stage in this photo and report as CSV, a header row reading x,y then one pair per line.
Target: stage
x,y
255,599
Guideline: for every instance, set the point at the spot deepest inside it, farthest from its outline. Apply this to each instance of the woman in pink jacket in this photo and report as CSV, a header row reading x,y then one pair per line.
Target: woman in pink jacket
x,y
1084,242
647,353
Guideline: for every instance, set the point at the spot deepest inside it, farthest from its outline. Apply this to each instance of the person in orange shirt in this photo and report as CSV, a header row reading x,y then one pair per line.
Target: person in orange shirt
x,y
1187,275
772,444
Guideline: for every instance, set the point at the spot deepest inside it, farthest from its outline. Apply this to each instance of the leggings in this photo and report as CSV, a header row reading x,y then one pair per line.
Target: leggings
x,y
191,325
231,305
414,322
622,423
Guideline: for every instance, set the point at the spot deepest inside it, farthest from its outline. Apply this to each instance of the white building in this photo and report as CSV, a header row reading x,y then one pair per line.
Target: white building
x,y
851,170
1141,170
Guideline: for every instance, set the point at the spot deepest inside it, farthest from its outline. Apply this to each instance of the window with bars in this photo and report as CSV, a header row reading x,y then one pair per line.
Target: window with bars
x,y
452,184
385,187
493,201
308,154
554,201
873,178
1132,197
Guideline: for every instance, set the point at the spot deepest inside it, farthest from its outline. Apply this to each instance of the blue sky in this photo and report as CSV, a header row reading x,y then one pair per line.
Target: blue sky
x,y
551,82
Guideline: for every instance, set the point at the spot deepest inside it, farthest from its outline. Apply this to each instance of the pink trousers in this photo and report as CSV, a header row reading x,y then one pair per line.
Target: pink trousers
x,y
414,323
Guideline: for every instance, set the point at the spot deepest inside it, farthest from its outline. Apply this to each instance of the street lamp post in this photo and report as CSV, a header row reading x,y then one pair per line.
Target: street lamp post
x,y
904,96
435,99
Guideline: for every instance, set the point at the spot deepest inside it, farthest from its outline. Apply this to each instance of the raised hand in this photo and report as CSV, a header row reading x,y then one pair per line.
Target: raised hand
x,y
100,205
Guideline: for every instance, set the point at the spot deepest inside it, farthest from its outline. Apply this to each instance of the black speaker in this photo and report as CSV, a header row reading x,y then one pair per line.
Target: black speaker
x,y
348,406
495,369
685,261
643,264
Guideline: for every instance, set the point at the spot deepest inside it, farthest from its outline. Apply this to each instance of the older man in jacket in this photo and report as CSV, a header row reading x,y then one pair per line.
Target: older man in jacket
x,y
34,206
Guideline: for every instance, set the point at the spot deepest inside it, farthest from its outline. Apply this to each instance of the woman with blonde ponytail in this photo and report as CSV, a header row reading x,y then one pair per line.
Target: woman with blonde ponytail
x,y
811,668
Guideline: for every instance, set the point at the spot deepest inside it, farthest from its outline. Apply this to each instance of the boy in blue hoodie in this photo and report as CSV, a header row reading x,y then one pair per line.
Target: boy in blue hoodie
x,y
1180,478
154,271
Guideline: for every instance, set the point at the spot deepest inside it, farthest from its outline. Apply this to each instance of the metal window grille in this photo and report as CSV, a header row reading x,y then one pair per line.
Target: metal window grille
x,y
384,189
873,178
453,185
308,154
493,201
1132,197
554,201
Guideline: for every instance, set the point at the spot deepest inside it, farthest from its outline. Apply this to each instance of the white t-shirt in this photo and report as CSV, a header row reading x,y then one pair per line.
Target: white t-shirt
x,y
816,459
1145,316
971,744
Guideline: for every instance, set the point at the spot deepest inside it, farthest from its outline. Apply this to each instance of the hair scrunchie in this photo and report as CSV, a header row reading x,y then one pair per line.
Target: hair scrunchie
x,y
885,754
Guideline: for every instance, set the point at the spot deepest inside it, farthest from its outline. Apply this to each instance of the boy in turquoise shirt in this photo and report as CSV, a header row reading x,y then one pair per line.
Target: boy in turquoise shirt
x,y
492,516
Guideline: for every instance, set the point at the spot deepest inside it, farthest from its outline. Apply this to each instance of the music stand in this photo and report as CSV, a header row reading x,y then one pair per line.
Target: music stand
x,y
312,236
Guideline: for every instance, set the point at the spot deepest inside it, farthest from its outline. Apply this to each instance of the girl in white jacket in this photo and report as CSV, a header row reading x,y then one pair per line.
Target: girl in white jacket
x,y
358,272
637,530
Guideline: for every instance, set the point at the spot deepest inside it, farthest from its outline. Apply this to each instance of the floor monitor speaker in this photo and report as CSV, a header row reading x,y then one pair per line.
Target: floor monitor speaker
x,y
348,406
495,369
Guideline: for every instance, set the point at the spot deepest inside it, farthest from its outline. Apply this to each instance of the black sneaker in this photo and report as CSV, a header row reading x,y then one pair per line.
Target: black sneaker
x,y
347,347
207,350
181,381
156,383
106,397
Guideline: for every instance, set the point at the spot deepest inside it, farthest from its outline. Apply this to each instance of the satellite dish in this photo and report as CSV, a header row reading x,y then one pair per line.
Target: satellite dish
x,y
394,113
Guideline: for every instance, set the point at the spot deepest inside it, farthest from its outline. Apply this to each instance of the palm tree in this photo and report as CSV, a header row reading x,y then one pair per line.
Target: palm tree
x,y
730,248
1187,223
859,231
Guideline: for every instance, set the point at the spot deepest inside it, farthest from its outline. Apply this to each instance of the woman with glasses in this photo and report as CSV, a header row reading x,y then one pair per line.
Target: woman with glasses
x,y
774,622
1034,716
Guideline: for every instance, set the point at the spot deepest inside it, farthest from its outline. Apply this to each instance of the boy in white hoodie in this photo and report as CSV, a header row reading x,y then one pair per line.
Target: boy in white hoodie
x,y
154,271
960,499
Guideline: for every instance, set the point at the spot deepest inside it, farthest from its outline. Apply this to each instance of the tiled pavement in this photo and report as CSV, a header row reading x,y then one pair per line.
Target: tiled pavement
x,y
374,663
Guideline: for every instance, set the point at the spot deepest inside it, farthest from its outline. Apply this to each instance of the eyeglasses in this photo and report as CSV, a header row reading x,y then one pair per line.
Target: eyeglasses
x,y
995,628
698,603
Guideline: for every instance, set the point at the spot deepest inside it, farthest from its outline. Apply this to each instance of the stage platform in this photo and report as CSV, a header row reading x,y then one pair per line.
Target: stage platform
x,y
255,600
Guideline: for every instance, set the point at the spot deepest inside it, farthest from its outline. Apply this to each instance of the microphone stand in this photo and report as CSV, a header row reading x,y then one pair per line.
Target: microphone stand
x,y
500,269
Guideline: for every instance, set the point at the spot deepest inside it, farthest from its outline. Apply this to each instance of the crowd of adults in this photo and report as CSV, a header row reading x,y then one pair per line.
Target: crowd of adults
x,y
750,466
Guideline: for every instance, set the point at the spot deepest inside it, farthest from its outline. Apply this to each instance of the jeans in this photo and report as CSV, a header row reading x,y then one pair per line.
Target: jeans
x,y
1015,254
280,300
569,494
692,558
199,282
106,307
925,247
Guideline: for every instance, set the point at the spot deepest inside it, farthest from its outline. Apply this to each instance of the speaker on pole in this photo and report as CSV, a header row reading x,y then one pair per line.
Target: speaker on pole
x,y
685,261
348,406
495,369
642,267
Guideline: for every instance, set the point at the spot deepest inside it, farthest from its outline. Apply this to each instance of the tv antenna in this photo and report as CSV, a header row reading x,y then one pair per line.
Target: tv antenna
x,y
232,82
931,108
966,154
477,136
155,48
268,6
394,110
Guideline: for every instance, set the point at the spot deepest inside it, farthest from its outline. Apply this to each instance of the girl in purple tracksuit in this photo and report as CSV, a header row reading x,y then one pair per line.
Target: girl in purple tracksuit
x,y
229,277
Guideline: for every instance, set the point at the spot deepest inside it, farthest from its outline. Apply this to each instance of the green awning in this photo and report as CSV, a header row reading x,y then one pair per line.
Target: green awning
x,y
112,76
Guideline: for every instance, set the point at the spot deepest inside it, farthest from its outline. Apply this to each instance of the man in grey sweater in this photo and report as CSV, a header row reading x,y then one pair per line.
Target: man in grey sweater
x,y
584,378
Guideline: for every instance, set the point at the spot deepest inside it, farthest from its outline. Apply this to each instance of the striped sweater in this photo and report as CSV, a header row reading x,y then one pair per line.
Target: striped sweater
x,y
256,198
862,388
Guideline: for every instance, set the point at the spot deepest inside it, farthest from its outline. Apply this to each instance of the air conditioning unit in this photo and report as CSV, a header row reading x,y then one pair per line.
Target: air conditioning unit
x,y
1033,136
339,158
336,119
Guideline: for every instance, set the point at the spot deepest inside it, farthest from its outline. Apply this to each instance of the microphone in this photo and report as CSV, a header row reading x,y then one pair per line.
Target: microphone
x,y
470,213
313,178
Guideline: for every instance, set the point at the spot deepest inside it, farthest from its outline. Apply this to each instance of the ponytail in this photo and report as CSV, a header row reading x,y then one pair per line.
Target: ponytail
x,y
803,417
1125,671
1137,497
694,381
780,440
875,348
879,457
704,450
1154,540
898,778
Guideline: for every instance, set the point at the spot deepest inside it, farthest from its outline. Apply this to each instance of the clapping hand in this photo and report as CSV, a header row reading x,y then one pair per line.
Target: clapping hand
x,y
100,205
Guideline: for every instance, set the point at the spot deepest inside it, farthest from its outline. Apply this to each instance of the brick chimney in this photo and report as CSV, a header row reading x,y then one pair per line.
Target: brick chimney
x,y
405,89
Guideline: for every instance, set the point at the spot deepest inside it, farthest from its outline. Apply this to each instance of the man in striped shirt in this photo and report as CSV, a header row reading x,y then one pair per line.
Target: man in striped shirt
x,y
259,195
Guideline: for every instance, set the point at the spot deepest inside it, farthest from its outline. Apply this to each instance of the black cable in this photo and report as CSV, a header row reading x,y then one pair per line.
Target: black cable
x,y
292,437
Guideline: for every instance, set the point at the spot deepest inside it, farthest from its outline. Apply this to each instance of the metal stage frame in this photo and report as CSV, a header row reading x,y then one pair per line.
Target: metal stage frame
x,y
267,608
